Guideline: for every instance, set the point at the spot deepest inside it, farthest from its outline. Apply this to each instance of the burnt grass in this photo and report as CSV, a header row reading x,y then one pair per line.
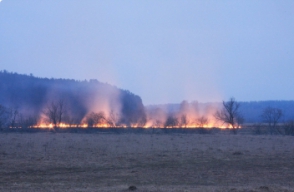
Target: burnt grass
x,y
144,160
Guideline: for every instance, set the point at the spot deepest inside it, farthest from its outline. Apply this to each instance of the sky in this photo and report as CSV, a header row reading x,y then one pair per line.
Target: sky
x,y
164,51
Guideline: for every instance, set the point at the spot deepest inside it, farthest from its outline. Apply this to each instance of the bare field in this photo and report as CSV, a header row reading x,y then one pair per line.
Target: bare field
x,y
158,162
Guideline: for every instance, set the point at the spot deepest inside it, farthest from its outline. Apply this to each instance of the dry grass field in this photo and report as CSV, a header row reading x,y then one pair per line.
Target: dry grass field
x,y
159,162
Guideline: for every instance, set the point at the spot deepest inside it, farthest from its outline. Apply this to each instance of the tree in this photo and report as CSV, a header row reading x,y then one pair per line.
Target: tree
x,y
158,123
271,116
201,121
55,112
13,116
8,117
229,114
184,121
94,119
171,121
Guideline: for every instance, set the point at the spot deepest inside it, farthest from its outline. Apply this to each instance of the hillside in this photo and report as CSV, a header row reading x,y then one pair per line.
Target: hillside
x,y
32,96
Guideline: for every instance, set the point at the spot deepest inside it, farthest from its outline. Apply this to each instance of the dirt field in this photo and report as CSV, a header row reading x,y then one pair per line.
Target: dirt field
x,y
158,162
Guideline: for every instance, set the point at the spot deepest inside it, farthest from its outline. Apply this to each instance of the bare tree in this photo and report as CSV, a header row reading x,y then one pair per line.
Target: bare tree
x,y
158,123
230,115
271,116
94,119
201,121
13,116
184,121
171,121
60,111
52,113
55,112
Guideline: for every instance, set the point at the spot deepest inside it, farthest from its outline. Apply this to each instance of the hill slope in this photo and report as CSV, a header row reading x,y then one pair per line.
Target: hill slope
x,y
31,96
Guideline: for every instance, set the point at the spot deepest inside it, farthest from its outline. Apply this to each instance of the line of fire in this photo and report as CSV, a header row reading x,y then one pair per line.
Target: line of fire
x,y
56,115
31,102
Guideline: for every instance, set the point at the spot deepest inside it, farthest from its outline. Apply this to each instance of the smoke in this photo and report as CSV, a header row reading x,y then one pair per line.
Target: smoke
x,y
68,103
80,101
185,115
104,99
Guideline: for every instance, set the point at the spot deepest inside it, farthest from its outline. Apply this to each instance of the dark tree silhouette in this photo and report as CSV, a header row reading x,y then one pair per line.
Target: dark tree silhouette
x,y
271,116
201,121
94,119
13,117
171,121
184,121
133,110
229,114
55,112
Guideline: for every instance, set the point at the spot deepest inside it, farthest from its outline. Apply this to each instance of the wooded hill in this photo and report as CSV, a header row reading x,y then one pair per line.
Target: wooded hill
x,y
30,96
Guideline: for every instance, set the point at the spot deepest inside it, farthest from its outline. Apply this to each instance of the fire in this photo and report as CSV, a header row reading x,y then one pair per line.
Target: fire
x,y
151,123
188,115
64,125
61,125
193,126
147,125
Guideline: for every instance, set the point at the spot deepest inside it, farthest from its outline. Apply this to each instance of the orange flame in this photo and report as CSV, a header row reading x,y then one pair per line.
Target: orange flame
x,y
148,125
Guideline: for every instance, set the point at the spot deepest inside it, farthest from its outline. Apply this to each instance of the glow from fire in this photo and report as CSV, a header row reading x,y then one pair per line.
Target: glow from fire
x,y
194,126
189,115
147,125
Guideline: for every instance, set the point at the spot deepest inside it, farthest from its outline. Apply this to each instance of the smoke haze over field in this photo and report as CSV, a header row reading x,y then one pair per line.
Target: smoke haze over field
x,y
164,51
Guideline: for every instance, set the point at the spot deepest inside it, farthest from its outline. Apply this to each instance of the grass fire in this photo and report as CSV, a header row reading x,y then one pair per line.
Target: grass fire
x,y
188,116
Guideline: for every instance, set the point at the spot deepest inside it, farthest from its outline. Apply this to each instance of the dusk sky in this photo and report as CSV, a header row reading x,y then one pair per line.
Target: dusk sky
x,y
165,51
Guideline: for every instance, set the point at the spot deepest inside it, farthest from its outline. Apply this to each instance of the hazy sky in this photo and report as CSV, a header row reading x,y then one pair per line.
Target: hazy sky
x,y
165,51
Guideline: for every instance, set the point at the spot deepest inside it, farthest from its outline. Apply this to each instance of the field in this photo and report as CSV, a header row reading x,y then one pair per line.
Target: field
x,y
49,161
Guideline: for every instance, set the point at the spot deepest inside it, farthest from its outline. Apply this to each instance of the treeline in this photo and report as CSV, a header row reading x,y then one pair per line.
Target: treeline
x,y
29,99
251,111
271,119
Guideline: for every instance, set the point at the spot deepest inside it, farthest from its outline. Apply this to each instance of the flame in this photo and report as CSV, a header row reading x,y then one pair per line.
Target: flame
x,y
148,125
61,125
158,118
192,126
64,125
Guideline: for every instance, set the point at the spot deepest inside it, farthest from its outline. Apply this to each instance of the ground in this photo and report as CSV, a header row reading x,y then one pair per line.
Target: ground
x,y
151,162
